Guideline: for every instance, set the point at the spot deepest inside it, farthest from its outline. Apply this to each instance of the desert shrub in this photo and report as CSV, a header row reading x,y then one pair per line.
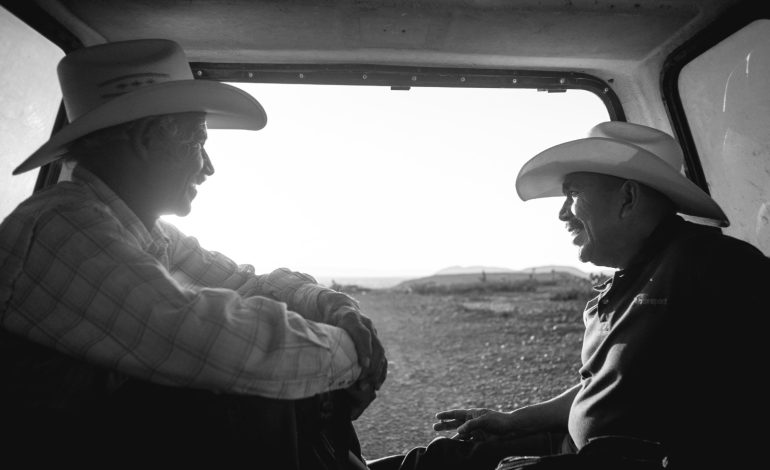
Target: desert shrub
x,y
598,278
524,285
348,288
573,293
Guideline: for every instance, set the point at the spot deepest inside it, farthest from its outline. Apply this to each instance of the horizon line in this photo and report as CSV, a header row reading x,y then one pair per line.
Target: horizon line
x,y
369,275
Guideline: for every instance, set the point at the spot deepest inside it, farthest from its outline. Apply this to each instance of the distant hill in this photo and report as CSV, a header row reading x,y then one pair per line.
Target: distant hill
x,y
561,269
492,269
539,273
472,270
370,282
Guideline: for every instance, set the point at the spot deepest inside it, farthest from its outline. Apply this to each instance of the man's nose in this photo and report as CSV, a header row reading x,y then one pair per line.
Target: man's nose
x,y
565,213
208,167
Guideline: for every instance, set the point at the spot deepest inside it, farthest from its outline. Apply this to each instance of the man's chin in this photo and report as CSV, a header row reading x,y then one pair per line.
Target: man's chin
x,y
182,210
584,254
587,256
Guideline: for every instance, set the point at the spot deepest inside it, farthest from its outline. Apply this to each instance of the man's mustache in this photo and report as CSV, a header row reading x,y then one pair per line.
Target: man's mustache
x,y
574,225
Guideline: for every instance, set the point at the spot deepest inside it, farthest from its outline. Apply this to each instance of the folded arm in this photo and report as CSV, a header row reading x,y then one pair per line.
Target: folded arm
x,y
300,292
87,291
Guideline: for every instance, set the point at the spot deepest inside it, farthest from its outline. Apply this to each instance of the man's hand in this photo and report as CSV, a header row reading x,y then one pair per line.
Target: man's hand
x,y
371,353
342,311
474,423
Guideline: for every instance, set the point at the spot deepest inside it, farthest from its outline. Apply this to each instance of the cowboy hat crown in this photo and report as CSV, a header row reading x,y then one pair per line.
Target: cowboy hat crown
x,y
623,150
114,83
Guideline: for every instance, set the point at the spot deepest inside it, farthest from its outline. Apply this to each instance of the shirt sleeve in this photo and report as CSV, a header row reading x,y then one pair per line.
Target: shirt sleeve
x,y
87,290
194,265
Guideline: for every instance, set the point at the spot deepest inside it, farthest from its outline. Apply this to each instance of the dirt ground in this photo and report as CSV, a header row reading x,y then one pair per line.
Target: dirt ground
x,y
497,351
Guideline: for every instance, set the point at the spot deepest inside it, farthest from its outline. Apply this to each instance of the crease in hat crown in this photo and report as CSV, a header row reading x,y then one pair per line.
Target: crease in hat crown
x,y
656,142
92,76
624,150
118,82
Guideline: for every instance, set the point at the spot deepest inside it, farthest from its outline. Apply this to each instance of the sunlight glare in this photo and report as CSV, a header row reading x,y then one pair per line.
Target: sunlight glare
x,y
368,182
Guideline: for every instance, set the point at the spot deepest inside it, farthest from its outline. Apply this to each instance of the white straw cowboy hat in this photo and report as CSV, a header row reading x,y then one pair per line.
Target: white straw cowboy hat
x,y
624,150
118,82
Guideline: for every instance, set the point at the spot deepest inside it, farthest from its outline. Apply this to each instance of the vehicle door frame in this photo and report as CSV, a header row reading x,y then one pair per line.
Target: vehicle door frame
x,y
396,77
732,21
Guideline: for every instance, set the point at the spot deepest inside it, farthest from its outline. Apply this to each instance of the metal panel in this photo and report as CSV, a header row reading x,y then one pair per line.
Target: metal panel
x,y
725,94
406,77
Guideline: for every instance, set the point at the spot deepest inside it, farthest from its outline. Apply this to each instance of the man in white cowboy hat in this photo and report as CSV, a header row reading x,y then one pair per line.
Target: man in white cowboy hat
x,y
667,360
90,272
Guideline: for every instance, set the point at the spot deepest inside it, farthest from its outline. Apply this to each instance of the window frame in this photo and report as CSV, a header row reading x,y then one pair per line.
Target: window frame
x,y
406,77
735,19
396,77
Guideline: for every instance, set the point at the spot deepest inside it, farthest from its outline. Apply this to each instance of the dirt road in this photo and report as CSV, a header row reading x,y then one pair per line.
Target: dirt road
x,y
450,351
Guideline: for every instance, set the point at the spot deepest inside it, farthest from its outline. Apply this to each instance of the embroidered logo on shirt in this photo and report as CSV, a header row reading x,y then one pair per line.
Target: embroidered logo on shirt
x,y
644,299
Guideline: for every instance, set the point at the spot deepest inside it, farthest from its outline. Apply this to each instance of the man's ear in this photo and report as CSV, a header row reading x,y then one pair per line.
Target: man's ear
x,y
629,197
141,140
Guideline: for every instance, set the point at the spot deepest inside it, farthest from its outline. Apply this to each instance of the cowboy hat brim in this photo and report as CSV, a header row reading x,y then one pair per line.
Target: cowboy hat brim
x,y
543,175
226,107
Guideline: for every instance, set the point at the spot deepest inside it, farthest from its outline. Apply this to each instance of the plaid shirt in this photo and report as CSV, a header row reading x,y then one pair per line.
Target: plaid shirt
x,y
80,273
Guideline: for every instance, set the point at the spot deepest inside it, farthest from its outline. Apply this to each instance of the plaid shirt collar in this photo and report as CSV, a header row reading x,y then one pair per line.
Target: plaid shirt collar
x,y
155,241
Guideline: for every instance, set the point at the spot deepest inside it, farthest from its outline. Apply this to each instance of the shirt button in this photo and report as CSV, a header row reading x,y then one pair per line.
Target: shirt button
x,y
605,301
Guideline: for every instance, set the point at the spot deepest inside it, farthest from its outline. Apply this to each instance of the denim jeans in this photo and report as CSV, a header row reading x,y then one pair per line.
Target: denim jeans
x,y
58,410
453,454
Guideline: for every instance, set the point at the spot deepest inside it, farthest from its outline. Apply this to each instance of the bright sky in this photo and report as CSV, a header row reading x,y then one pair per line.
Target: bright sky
x,y
367,181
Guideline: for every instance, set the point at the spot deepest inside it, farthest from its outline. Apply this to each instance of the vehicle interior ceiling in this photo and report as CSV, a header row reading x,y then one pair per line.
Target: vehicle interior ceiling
x,y
623,43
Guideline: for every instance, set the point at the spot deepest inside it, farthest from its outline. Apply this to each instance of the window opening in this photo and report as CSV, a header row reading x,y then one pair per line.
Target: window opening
x,y
350,182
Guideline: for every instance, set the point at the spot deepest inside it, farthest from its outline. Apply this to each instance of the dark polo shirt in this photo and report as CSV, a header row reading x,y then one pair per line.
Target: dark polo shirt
x,y
673,344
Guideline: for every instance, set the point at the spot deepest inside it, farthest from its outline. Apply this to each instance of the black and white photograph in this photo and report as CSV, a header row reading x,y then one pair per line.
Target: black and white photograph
x,y
384,234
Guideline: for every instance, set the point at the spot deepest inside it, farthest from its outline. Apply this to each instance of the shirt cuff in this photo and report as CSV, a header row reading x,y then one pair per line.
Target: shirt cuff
x,y
344,365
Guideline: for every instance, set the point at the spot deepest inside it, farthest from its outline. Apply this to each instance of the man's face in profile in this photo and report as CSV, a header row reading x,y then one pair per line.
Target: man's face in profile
x,y
588,211
180,164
